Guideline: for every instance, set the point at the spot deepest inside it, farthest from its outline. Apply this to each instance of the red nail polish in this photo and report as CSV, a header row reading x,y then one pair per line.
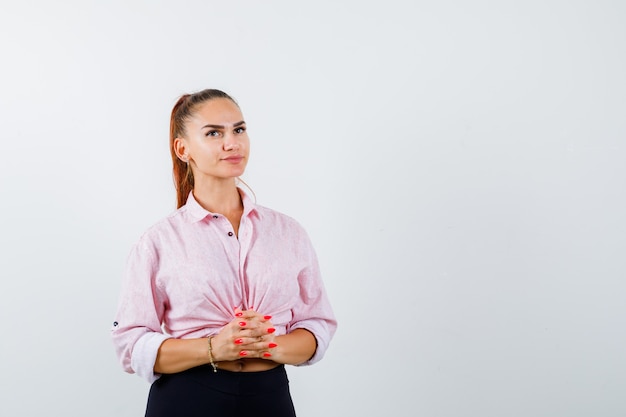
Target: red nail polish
x,y
243,353
242,323
267,317
238,341
271,330
267,354
238,314
251,307
272,345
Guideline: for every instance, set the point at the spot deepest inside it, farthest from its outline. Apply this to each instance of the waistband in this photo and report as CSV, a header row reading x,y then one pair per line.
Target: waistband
x,y
240,383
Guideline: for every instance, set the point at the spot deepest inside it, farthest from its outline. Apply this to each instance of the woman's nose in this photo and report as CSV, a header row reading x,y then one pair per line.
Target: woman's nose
x,y
230,143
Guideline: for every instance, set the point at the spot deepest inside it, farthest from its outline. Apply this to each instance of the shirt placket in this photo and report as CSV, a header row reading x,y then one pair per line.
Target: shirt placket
x,y
245,236
232,245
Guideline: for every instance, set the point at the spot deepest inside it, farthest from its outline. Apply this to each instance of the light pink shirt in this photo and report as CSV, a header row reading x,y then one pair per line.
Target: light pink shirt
x,y
187,272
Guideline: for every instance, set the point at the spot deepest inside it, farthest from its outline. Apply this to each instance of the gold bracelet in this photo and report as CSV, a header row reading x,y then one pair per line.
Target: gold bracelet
x,y
213,364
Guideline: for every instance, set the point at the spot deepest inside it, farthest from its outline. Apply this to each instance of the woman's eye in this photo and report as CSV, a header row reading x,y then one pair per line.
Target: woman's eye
x,y
213,133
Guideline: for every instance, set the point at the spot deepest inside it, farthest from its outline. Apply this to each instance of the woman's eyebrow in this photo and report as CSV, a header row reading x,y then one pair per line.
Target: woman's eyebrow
x,y
221,126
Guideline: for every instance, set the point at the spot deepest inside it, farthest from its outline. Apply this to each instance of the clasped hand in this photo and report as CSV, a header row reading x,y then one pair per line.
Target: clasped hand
x,y
249,335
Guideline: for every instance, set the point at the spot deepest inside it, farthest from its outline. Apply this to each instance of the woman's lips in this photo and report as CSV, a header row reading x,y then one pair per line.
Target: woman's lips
x,y
235,159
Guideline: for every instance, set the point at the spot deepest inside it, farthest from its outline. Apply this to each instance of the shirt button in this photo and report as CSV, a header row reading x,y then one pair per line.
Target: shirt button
x,y
215,216
230,233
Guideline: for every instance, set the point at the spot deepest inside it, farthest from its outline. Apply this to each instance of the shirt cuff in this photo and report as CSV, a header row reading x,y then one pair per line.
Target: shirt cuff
x,y
322,337
144,355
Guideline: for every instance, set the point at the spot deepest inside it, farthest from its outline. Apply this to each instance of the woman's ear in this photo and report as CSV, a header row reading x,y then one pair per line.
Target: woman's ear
x,y
180,147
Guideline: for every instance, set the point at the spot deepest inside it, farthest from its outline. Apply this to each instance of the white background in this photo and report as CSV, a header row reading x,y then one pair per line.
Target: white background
x,y
459,165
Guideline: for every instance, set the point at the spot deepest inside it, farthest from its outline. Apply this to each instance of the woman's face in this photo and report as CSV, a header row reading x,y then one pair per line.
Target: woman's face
x,y
216,142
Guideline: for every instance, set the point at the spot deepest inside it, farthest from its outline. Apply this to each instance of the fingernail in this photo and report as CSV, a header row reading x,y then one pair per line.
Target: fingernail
x,y
242,323
267,354
267,317
243,353
251,307
239,314
238,341
272,345
271,330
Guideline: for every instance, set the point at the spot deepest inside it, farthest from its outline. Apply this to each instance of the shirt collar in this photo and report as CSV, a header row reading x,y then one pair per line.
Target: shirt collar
x,y
197,212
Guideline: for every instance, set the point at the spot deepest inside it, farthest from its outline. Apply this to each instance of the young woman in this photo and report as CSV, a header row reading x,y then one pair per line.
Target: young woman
x,y
221,294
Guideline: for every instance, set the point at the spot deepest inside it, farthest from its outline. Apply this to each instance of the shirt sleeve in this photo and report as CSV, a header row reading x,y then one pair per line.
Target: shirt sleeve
x,y
137,333
312,311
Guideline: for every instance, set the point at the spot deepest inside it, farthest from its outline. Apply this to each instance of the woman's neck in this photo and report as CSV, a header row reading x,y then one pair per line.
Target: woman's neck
x,y
220,198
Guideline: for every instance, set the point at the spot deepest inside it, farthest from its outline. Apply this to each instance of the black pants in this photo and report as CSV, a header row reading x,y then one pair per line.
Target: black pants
x,y
202,392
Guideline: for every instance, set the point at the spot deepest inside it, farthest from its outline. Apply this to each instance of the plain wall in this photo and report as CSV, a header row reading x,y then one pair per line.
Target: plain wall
x,y
459,165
